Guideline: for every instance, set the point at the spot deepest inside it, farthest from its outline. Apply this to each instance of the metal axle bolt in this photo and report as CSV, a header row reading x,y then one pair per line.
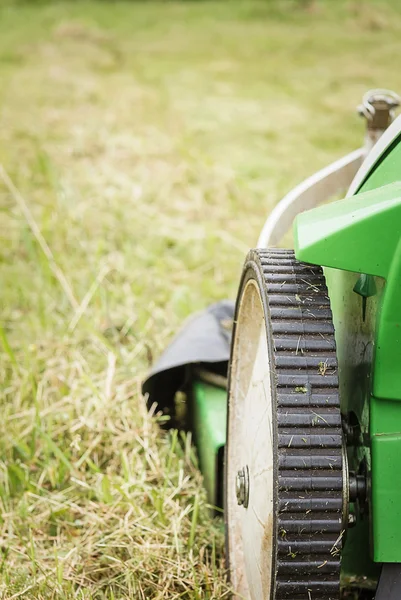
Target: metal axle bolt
x,y
242,487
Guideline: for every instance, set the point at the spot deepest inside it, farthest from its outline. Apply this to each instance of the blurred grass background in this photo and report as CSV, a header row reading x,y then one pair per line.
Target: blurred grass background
x,y
142,147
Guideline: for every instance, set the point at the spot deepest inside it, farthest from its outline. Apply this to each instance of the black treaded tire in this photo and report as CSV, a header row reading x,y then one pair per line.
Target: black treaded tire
x,y
307,434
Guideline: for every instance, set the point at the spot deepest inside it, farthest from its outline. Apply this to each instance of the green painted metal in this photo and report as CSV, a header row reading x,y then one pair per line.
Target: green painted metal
x,y
354,339
385,415
385,424
209,408
362,234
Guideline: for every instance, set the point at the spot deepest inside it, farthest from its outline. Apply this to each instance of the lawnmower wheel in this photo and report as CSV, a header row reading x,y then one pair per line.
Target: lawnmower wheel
x,y
284,500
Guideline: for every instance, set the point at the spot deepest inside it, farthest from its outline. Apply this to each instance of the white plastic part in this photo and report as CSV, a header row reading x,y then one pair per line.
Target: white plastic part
x,y
347,173
318,188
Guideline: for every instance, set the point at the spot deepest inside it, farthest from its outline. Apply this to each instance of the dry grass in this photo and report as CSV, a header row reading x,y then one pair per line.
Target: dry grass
x,y
143,145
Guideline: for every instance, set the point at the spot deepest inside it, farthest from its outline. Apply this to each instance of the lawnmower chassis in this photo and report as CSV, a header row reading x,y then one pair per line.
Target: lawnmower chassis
x,y
314,388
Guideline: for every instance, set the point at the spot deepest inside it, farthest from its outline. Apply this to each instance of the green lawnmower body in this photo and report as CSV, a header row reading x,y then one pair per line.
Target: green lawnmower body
x,y
358,241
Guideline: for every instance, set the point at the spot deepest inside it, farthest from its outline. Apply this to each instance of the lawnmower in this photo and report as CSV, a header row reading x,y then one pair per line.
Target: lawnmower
x,y
294,392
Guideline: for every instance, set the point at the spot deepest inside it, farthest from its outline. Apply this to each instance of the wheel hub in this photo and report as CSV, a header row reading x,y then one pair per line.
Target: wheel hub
x,y
242,487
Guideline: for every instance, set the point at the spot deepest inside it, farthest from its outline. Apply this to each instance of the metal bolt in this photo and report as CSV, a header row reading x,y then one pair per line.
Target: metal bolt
x,y
242,487
378,107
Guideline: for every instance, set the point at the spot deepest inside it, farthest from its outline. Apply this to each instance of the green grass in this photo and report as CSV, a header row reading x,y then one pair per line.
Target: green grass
x,y
143,145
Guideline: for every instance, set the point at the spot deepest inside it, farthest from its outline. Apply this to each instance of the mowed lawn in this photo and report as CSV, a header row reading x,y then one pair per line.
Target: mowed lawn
x,y
142,146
